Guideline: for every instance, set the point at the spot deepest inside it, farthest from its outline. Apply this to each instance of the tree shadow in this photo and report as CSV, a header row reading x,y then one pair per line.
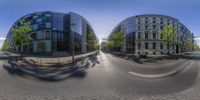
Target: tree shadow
x,y
156,59
9,57
53,72
94,60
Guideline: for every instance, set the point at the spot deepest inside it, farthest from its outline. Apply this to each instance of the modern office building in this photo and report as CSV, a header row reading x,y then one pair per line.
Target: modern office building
x,y
52,33
103,44
142,35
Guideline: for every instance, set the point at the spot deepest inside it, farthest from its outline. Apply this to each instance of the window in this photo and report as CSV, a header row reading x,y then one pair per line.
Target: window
x,y
47,19
138,52
35,16
146,35
161,52
33,21
154,26
161,46
138,27
48,35
139,35
48,25
48,15
146,27
154,18
34,27
39,20
161,27
154,53
154,22
167,45
161,22
146,45
139,46
146,22
41,26
33,36
138,22
146,18
154,35
154,45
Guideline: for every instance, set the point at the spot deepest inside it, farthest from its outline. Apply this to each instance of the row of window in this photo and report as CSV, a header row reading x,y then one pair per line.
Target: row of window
x,y
147,35
154,53
155,18
39,20
37,15
41,26
154,46
146,27
41,35
154,22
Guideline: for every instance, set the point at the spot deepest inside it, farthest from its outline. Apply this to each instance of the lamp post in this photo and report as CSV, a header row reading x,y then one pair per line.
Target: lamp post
x,y
72,33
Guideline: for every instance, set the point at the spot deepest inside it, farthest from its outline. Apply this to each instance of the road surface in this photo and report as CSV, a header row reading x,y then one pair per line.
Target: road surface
x,y
107,78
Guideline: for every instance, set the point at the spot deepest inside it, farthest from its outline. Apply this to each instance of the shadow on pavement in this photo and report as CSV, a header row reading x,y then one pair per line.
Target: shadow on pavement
x,y
172,84
55,72
155,59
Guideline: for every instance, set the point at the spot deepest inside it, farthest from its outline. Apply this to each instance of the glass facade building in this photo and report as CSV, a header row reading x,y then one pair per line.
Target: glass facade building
x,y
51,32
142,35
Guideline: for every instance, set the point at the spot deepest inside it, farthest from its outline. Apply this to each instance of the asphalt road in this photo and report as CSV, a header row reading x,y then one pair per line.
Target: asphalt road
x,y
107,78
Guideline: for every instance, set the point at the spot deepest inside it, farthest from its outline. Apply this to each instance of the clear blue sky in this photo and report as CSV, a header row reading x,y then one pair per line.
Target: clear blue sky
x,y
102,14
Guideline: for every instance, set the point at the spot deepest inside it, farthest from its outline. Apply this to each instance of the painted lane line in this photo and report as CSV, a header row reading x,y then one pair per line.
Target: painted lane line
x,y
160,75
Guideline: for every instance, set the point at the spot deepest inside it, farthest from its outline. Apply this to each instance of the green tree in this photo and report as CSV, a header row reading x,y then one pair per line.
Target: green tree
x,y
196,47
118,39
90,40
5,46
168,35
109,44
188,45
96,46
20,35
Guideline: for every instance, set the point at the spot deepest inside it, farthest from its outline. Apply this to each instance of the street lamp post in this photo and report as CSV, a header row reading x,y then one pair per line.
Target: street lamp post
x,y
72,26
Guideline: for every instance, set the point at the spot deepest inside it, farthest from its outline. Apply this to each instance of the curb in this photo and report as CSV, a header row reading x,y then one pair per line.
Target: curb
x,y
160,75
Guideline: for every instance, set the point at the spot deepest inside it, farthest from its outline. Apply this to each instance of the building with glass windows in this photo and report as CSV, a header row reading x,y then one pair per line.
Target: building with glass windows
x,y
142,35
52,33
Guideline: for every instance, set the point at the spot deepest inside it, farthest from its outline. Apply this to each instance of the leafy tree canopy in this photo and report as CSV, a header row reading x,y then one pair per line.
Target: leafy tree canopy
x,y
20,35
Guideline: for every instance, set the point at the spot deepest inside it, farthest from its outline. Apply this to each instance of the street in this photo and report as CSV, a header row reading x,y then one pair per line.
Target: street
x,y
106,78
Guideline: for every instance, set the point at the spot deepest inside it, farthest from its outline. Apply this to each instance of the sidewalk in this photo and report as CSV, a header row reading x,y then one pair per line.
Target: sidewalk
x,y
54,72
44,61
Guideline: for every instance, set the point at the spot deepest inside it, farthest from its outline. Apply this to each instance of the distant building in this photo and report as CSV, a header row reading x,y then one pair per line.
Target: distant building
x,y
52,32
142,34
103,44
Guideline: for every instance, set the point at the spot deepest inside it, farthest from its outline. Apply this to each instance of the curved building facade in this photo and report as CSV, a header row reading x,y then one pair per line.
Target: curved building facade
x,y
52,32
142,35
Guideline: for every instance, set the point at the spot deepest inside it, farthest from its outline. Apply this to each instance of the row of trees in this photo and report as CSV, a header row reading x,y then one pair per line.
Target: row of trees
x,y
167,35
20,37
116,40
92,42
